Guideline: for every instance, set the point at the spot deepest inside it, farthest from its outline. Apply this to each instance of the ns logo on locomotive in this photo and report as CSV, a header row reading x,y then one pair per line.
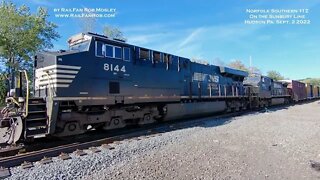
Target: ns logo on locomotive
x,y
103,83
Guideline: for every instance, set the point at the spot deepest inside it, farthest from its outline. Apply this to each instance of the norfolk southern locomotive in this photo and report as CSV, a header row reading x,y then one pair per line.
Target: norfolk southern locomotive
x,y
106,83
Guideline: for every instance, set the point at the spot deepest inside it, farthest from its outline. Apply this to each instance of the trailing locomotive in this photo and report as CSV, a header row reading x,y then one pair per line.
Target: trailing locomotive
x,y
266,92
103,83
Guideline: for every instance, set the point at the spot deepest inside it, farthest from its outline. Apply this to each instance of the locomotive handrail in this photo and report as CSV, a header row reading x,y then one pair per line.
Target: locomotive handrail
x,y
27,95
15,101
50,86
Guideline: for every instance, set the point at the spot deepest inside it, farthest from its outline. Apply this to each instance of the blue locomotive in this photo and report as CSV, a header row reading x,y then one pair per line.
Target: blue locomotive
x,y
106,83
265,92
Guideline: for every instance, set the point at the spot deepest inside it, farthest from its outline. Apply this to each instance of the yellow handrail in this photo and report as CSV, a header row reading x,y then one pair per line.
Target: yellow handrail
x,y
15,101
27,95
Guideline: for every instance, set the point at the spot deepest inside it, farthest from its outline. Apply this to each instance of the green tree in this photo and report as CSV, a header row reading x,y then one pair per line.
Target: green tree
x,y
3,88
218,62
22,34
113,32
313,81
237,64
275,75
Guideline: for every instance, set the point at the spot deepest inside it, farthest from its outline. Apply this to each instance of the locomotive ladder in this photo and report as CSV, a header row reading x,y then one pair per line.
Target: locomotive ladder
x,y
36,120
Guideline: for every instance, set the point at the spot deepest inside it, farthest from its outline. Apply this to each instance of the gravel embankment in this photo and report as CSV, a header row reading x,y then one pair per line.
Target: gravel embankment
x,y
278,144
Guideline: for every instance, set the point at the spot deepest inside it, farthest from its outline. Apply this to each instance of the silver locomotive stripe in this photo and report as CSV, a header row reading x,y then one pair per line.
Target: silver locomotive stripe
x,y
55,76
55,81
58,66
54,86
55,71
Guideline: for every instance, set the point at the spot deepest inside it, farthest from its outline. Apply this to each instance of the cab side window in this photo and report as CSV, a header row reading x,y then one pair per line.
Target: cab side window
x,y
126,54
117,52
99,49
113,51
109,50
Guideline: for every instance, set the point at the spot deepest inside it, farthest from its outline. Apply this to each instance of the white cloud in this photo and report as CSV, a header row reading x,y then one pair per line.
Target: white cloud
x,y
190,42
191,37
147,39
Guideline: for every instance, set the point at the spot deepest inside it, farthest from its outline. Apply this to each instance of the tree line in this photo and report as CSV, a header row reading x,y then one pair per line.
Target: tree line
x,y
238,64
22,34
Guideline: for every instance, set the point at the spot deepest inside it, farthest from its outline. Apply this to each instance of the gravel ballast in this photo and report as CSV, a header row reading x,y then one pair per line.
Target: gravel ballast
x,y
277,144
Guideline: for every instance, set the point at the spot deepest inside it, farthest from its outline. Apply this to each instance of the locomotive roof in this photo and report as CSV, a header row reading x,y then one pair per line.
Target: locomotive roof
x,y
104,37
230,71
81,36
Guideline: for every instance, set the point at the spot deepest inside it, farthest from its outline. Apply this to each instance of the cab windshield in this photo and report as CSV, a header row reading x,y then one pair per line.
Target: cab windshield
x,y
252,80
83,46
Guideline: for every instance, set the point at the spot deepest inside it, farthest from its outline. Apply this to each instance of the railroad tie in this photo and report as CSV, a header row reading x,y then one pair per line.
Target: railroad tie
x,y
94,150
26,165
64,156
46,160
80,152
116,142
106,146
136,138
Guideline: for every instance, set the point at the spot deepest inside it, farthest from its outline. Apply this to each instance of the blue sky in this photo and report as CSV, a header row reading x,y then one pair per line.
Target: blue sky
x,y
206,29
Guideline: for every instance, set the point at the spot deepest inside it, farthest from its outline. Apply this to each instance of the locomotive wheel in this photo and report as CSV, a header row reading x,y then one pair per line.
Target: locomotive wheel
x,y
12,134
147,119
114,123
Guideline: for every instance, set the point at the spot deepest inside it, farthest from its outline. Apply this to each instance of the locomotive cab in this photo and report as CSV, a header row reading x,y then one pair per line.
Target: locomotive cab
x,y
56,71
261,86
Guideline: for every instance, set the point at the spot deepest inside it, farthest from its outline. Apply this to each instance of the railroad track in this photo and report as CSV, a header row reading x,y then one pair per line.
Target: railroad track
x,y
44,156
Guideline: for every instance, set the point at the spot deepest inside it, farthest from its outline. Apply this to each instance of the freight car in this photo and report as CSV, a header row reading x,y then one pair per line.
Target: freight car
x,y
316,91
309,90
106,83
296,90
312,91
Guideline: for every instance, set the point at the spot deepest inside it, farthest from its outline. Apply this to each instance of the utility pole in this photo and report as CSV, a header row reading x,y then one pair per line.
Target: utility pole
x,y
250,65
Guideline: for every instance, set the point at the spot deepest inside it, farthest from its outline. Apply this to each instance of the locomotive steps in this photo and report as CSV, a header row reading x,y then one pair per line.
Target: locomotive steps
x,y
36,121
